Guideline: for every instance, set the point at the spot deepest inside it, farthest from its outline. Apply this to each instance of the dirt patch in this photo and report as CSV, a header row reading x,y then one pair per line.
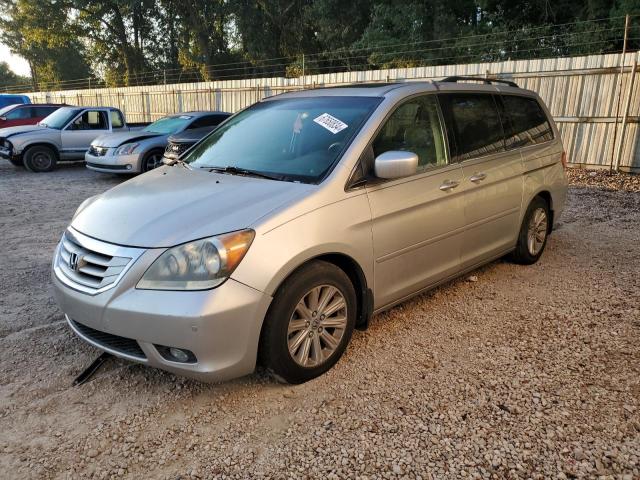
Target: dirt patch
x,y
528,372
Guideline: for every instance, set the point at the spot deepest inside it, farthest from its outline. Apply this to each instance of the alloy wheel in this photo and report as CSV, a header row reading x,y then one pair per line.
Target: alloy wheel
x,y
537,231
317,326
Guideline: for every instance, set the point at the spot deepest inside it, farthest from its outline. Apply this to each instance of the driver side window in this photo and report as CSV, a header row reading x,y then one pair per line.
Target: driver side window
x,y
415,127
90,120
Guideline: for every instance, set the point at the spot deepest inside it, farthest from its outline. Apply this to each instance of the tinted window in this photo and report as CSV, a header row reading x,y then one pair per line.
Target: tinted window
x,y
42,112
473,124
208,121
90,120
293,138
414,127
19,113
527,123
116,119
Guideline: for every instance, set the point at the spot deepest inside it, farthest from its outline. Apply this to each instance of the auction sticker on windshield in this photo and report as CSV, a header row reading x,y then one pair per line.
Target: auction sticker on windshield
x,y
330,122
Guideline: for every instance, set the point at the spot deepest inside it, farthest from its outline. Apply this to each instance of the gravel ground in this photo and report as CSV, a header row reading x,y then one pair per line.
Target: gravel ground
x,y
513,372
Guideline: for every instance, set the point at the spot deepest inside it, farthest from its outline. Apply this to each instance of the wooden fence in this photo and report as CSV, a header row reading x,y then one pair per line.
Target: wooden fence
x,y
594,99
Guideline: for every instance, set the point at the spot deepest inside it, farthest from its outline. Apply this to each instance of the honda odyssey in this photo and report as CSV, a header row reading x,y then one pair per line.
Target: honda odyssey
x,y
302,216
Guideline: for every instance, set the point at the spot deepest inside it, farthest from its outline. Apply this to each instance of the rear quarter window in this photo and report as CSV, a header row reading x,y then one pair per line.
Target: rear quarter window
x,y
526,124
474,125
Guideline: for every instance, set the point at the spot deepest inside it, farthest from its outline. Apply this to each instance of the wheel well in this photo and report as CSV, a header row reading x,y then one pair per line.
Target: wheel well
x,y
546,196
42,144
353,270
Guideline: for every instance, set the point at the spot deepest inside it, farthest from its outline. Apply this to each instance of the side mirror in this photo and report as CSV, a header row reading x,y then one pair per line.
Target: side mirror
x,y
3,119
395,164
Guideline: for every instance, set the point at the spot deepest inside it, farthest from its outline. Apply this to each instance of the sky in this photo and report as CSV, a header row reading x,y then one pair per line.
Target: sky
x,y
18,64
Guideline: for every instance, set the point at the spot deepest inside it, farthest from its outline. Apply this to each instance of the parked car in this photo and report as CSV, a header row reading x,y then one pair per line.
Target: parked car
x,y
10,99
66,134
303,215
141,151
179,143
26,114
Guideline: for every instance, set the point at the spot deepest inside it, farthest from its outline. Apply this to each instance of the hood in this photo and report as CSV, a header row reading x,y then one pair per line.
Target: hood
x,y
116,139
191,136
13,131
172,205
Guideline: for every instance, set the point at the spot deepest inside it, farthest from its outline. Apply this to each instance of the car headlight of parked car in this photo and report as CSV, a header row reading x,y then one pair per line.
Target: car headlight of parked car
x,y
126,149
198,265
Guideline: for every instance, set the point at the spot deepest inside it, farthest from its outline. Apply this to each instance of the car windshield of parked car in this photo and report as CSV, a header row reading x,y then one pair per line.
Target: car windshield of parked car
x,y
169,125
60,118
297,139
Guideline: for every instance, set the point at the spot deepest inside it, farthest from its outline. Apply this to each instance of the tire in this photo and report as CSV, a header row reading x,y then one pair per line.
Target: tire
x,y
17,162
40,158
324,338
151,160
534,233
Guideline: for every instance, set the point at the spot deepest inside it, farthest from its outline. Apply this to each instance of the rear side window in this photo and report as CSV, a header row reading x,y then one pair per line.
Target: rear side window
x,y
42,111
473,124
528,124
116,119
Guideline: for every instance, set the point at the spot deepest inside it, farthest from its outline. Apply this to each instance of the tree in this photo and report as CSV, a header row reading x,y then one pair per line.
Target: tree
x,y
41,33
8,78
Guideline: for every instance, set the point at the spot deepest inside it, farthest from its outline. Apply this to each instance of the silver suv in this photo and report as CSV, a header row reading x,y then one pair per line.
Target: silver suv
x,y
304,215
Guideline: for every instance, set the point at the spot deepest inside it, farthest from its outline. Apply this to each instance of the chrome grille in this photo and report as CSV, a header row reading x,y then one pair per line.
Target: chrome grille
x,y
178,148
89,265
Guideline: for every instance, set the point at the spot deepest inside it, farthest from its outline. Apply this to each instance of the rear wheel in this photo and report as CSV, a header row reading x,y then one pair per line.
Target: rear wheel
x,y
40,158
534,231
152,160
309,324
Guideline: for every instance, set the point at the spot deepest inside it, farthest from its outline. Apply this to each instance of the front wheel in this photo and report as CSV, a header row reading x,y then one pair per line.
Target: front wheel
x,y
40,158
534,231
152,160
309,323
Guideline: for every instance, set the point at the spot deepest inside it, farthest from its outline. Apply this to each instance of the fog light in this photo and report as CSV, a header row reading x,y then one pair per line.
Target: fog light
x,y
175,354
179,355
128,167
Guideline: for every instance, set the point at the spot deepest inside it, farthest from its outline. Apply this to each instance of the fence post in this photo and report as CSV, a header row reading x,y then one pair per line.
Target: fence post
x,y
624,55
626,114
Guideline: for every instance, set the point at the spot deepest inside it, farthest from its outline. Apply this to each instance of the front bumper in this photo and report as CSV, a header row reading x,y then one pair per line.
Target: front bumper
x,y
7,153
220,326
110,163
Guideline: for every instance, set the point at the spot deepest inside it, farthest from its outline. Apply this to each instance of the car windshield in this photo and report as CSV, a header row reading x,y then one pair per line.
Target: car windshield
x,y
168,125
296,139
60,118
7,109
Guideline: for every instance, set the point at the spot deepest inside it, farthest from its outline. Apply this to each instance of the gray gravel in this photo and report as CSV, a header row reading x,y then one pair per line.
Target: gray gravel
x,y
511,372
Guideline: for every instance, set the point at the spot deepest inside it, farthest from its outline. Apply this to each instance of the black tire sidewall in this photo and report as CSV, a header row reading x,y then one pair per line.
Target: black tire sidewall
x,y
145,160
274,352
32,151
521,254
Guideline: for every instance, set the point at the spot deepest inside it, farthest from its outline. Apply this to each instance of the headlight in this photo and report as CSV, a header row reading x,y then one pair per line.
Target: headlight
x,y
198,265
126,149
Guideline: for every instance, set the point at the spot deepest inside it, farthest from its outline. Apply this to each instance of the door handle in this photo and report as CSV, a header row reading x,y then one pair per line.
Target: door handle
x,y
449,185
478,177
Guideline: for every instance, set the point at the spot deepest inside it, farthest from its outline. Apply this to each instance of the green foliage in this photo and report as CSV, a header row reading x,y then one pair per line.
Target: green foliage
x,y
136,42
8,78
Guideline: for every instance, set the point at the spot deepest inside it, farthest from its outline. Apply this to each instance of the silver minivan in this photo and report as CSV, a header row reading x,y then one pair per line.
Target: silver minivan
x,y
302,216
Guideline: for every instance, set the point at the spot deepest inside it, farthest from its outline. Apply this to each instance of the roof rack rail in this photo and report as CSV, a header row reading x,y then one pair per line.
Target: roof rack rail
x,y
487,81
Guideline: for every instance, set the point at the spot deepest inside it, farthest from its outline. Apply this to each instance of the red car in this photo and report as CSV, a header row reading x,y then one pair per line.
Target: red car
x,y
26,114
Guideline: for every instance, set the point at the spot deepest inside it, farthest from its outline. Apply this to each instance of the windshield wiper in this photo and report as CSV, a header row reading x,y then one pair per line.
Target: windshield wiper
x,y
243,171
